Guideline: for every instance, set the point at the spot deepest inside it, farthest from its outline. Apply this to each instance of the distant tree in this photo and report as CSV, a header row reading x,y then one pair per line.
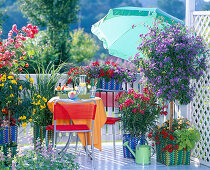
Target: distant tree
x,y
206,7
56,16
2,11
175,8
93,10
83,46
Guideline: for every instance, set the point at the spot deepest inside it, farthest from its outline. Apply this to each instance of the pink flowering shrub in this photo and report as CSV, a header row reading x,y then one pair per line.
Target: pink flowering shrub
x,y
139,112
12,51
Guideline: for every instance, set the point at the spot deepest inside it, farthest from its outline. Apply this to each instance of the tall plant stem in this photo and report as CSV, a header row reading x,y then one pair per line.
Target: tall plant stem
x,y
171,115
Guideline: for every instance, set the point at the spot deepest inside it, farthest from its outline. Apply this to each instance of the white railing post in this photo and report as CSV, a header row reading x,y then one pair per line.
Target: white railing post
x,y
190,7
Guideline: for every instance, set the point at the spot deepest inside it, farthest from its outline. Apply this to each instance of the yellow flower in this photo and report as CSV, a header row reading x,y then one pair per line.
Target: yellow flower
x,y
158,127
11,95
21,87
14,81
27,76
19,99
35,94
10,77
34,111
24,117
42,107
163,125
45,100
33,102
30,120
10,87
31,80
39,96
21,117
38,103
24,124
2,85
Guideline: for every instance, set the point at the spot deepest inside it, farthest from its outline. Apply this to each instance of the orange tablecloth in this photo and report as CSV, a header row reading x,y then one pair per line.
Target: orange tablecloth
x,y
100,119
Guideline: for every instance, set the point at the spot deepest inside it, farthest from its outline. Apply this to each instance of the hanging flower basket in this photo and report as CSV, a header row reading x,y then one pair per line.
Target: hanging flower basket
x,y
176,157
5,137
110,85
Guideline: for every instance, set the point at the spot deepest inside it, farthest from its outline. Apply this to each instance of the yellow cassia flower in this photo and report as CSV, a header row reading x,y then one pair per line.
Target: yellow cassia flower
x,y
33,102
38,103
9,102
21,117
10,87
163,125
30,120
39,96
14,81
21,87
31,80
24,117
44,99
27,76
10,77
158,127
24,124
11,95
42,107
2,85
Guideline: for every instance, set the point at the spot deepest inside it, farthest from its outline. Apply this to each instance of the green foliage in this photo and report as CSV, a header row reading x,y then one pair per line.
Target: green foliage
x,y
139,112
56,15
83,46
15,99
175,8
40,51
46,83
186,138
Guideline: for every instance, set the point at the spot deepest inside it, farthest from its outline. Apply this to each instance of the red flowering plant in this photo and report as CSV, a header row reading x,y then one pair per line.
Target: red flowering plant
x,y
14,93
168,138
139,112
107,70
12,51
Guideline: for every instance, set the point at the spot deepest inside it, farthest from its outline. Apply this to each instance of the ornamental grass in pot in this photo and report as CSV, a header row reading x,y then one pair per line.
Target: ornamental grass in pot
x,y
138,113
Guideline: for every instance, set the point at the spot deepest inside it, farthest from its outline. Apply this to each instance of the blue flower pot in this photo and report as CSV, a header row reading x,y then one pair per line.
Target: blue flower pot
x,y
111,85
132,142
4,135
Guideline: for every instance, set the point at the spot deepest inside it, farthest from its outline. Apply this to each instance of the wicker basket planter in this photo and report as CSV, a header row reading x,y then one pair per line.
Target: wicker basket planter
x,y
8,136
40,133
176,157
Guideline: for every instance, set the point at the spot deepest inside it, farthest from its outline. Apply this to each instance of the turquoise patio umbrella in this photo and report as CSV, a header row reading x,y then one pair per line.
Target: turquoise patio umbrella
x,y
120,28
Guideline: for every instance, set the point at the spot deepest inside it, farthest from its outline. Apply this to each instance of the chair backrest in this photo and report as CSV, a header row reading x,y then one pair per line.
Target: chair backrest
x,y
68,109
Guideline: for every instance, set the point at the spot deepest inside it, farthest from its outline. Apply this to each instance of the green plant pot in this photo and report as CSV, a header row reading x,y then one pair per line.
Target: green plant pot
x,y
39,132
176,157
12,149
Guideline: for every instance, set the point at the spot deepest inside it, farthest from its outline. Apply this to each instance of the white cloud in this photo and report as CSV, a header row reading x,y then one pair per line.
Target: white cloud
x,y
207,0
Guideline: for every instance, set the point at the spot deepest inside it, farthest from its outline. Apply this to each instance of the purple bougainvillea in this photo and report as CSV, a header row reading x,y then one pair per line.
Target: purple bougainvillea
x,y
174,56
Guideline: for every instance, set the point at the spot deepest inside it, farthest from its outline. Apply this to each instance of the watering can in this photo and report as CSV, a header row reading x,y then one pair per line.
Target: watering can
x,y
143,153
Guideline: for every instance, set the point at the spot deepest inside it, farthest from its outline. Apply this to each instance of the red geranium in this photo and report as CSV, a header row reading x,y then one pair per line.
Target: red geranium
x,y
177,146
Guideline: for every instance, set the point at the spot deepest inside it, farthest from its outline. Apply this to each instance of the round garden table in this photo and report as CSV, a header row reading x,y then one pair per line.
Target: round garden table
x,y
100,119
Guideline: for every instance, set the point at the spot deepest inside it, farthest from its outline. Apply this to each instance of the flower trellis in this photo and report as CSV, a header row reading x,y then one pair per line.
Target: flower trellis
x,y
200,107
